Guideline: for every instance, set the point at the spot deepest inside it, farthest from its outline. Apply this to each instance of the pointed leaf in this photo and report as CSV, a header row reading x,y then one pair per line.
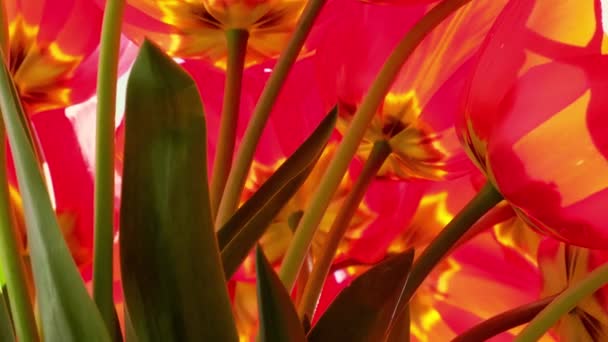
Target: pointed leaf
x,y
363,310
66,310
171,270
278,318
6,325
238,236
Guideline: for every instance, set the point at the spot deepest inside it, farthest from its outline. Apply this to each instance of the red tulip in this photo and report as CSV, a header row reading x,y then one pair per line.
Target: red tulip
x,y
561,266
533,119
53,56
196,29
401,2
417,116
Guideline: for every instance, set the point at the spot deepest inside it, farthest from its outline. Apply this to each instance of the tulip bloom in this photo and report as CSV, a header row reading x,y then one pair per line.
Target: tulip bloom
x,y
196,28
534,116
52,51
417,116
560,266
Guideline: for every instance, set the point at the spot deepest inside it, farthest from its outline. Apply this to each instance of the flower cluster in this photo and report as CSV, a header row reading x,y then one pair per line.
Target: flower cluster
x,y
468,137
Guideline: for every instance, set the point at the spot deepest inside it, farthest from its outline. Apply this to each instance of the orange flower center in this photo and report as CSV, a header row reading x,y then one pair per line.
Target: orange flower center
x,y
589,320
38,71
200,26
416,152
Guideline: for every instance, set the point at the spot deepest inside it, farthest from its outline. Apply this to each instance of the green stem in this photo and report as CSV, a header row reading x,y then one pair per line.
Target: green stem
x,y
11,260
563,304
104,162
485,200
237,47
339,164
380,151
504,321
244,157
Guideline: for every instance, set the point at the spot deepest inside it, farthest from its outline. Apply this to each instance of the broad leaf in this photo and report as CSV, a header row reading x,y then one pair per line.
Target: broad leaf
x,y
363,310
278,318
67,312
238,236
7,333
171,270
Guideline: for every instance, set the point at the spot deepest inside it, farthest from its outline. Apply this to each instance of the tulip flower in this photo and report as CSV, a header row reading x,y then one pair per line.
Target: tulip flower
x,y
561,265
400,2
52,51
279,234
196,29
417,116
445,304
532,119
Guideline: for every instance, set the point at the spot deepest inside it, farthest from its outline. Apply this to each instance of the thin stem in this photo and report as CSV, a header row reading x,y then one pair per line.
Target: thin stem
x,y
104,162
380,151
11,260
485,200
237,47
339,164
563,304
504,321
244,157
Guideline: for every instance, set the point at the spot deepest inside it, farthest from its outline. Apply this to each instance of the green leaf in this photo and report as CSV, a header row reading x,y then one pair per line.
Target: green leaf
x,y
238,236
67,312
130,335
363,310
278,318
172,275
7,333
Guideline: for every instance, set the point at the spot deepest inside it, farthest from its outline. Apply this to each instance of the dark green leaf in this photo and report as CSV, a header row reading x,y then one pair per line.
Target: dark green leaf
x,y
129,330
67,312
363,310
171,270
6,326
278,318
238,236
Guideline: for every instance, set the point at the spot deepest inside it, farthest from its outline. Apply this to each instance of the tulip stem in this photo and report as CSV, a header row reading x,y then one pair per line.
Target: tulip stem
x,y
347,149
104,163
504,321
563,304
244,157
485,200
380,151
11,260
237,48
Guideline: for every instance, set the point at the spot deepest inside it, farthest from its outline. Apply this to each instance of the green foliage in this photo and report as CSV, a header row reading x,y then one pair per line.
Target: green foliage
x,y
6,325
278,318
66,310
364,310
242,231
172,276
